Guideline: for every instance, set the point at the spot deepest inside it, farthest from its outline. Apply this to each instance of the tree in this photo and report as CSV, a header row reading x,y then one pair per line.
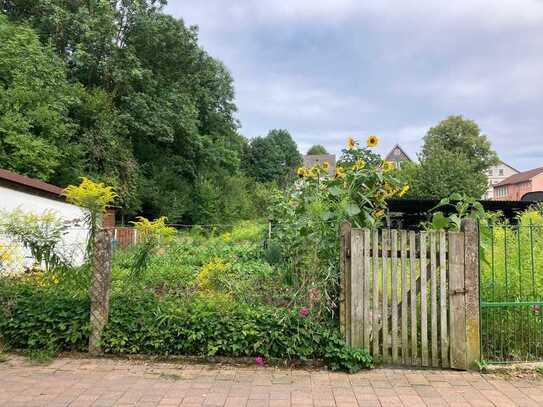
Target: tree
x,y
317,149
454,158
273,158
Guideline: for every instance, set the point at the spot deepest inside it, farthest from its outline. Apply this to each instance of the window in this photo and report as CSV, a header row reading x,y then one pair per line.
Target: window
x,y
501,191
500,172
489,173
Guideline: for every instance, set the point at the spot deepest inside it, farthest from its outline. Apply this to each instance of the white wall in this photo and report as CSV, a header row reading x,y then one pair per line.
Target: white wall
x,y
74,241
496,175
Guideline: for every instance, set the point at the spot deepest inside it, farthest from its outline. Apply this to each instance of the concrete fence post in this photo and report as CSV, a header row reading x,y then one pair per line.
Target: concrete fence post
x,y
100,288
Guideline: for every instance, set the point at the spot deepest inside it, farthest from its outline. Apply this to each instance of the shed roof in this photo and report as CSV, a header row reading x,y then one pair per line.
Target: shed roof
x,y
31,183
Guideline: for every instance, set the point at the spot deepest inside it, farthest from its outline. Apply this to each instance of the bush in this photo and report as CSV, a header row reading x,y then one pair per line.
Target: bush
x,y
35,319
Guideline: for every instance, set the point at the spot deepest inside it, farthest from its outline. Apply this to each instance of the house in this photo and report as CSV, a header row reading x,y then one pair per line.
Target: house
x,y
497,174
35,196
516,186
313,160
398,156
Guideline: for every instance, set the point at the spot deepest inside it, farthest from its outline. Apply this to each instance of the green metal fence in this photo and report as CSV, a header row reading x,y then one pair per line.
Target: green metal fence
x,y
511,292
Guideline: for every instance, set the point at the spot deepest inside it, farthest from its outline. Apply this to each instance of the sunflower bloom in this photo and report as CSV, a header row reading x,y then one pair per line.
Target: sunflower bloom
x,y
351,144
388,166
372,141
301,172
360,164
314,171
340,172
379,214
404,190
326,166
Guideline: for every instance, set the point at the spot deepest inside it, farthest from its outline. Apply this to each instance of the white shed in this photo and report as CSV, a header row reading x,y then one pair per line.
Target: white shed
x,y
31,195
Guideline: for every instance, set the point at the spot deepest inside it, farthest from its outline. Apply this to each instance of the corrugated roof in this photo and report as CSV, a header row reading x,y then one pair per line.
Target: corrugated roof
x,y
30,182
520,177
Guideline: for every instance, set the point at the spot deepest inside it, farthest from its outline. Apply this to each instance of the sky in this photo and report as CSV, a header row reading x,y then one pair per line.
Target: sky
x,y
329,69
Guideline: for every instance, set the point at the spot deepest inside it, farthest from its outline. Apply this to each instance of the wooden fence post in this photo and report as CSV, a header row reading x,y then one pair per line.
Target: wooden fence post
x,y
471,265
345,281
100,288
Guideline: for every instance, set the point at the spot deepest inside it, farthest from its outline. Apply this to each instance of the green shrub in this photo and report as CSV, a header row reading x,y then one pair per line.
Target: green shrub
x,y
38,319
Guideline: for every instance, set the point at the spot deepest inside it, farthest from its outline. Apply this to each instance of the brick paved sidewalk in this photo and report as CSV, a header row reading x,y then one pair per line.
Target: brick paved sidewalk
x,y
105,382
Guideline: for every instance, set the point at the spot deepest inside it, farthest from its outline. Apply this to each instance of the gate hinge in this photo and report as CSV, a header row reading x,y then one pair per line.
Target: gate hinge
x,y
458,291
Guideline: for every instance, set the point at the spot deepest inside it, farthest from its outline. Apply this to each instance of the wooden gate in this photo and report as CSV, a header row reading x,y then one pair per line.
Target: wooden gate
x,y
412,298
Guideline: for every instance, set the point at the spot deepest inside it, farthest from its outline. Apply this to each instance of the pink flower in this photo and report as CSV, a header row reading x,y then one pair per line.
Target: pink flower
x,y
259,360
304,312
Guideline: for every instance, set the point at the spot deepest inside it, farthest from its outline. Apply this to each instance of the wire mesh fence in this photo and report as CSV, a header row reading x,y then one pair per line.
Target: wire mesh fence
x,y
511,292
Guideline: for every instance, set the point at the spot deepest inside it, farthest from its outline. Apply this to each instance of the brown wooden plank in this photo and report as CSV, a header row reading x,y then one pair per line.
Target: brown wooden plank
x,y
443,314
405,314
394,292
375,312
413,292
367,292
385,312
471,282
433,297
457,308
357,287
345,281
423,301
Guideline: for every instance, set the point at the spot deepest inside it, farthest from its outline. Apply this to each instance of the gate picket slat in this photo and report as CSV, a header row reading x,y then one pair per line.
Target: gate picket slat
x,y
423,301
433,298
394,289
367,275
443,299
375,294
357,287
457,307
405,333
384,316
413,290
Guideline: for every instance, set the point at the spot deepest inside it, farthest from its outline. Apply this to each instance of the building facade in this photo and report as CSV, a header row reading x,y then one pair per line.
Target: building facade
x,y
398,156
516,186
497,174
312,160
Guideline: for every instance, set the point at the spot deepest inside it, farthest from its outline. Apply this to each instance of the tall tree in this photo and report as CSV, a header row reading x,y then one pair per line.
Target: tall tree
x,y
454,158
274,157
317,149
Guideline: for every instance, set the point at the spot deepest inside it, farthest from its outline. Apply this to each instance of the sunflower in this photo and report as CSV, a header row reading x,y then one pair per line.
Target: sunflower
x,y
378,214
326,166
359,164
301,171
372,141
340,172
388,166
314,171
404,190
351,143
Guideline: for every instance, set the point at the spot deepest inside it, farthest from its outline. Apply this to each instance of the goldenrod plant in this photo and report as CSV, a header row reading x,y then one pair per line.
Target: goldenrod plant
x,y
95,197
151,234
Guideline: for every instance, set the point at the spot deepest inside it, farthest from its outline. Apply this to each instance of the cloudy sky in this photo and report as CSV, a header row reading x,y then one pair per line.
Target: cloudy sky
x,y
327,69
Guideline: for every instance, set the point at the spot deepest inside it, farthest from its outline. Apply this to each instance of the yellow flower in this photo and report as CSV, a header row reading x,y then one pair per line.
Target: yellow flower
x,y
360,164
326,166
313,172
351,143
301,172
379,214
388,166
372,141
404,190
340,172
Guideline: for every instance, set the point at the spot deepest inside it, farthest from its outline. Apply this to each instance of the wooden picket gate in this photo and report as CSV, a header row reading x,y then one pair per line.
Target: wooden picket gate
x,y
412,298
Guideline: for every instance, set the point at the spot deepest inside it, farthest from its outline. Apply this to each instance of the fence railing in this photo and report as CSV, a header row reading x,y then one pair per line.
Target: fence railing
x,y
411,297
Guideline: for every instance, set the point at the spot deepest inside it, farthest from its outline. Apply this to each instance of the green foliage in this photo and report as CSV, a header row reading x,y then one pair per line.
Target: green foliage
x,y
317,149
454,159
462,207
273,158
151,235
122,93
40,233
307,218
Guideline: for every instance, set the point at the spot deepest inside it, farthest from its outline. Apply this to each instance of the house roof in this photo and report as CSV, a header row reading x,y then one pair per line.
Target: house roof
x,y
521,177
397,146
31,183
507,165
